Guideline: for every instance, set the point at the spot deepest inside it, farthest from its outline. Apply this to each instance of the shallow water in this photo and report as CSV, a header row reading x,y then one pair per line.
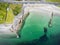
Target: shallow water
x,y
34,26
34,29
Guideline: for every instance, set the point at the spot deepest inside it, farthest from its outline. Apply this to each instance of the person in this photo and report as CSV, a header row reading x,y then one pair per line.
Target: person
x,y
45,30
50,22
44,37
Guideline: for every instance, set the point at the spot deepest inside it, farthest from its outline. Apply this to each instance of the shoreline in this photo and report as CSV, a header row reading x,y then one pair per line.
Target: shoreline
x,y
20,20
18,27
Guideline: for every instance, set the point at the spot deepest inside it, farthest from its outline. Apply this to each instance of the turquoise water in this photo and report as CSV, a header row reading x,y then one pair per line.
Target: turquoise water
x,y
34,29
34,26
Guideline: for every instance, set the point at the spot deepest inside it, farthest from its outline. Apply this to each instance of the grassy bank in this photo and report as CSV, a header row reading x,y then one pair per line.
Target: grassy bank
x,y
8,15
52,0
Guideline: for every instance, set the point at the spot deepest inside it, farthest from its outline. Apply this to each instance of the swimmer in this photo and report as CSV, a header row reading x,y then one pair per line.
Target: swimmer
x,y
45,30
50,22
20,21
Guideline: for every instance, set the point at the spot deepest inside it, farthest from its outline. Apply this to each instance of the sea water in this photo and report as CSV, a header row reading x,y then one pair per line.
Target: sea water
x,y
34,25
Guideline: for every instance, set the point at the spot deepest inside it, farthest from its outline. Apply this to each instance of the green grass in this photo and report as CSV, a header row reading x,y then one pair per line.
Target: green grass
x,y
2,16
1,19
8,16
52,0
